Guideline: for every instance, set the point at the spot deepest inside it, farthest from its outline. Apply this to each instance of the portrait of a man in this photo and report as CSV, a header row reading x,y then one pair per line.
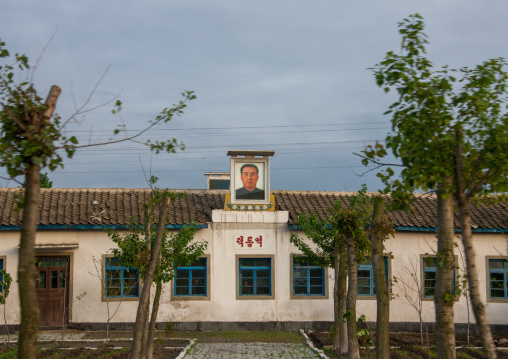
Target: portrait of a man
x,y
249,174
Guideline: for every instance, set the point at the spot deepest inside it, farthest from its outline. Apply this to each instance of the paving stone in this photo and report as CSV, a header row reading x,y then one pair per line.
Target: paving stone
x,y
250,351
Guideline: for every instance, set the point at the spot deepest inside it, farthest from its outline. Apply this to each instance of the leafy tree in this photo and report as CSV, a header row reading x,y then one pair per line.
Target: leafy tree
x,y
138,249
343,234
450,131
32,138
5,283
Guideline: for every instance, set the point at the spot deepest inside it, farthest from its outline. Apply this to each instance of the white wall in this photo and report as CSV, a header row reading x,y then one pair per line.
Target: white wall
x,y
223,304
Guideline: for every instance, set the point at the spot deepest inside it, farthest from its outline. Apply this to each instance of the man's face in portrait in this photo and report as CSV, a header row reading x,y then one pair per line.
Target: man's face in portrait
x,y
249,177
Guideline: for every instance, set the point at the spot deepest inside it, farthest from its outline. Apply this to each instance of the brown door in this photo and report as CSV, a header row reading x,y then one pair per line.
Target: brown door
x,y
53,289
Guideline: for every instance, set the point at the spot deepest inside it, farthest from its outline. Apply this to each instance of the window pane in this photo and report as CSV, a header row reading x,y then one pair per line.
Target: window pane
x,y
198,273
248,282
61,283
246,290
61,262
182,282
113,262
182,273
496,276
262,273
363,274
301,281
316,272
496,264
300,273
300,290
264,262
263,282
316,281
247,273
42,280
316,290
198,282
364,290
363,282
263,290
48,262
54,279
497,293
182,291
246,262
198,290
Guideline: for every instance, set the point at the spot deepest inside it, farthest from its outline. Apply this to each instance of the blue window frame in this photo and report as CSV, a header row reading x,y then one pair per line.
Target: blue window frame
x,y
255,276
498,278
308,279
365,285
429,277
191,280
121,281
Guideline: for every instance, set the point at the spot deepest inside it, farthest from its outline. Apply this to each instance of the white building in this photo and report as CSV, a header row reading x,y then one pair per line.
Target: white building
x,y
247,278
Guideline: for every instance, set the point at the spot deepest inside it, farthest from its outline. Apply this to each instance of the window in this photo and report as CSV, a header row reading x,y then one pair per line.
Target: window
x,y
498,278
1,275
121,281
308,279
429,277
255,276
365,286
191,280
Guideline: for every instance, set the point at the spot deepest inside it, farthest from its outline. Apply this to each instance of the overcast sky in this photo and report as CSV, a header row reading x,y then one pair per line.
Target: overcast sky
x,y
285,75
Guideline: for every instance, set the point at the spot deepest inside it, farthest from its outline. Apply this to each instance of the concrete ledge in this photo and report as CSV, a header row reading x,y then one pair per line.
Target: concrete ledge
x,y
222,216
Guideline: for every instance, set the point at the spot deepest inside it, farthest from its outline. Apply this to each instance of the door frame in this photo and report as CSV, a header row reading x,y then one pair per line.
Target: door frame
x,y
53,253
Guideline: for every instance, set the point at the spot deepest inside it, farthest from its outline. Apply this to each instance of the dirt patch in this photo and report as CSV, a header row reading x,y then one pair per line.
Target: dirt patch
x,y
115,349
408,345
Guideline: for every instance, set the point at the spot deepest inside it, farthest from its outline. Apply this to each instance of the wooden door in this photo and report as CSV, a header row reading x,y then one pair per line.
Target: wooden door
x,y
53,289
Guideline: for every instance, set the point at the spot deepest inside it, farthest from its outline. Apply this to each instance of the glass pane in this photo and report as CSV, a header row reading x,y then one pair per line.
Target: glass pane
x,y
182,291
429,262
182,282
496,276
263,290
246,262
496,264
497,293
113,262
199,263
265,262
131,282
198,291
248,282
497,284
298,263
182,273
112,292
301,290
430,275
198,282
316,272
363,282
38,262
246,273
263,281
363,274
316,290
131,291
246,290
198,273
42,280
301,281
130,274
54,279
61,262
429,292
316,281
363,290
48,262
300,273
61,283
263,273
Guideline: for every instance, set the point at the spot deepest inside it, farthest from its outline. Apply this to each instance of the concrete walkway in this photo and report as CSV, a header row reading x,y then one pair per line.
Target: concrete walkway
x,y
208,350
250,351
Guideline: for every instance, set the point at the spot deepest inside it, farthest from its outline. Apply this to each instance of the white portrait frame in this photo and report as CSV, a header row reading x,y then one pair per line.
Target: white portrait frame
x,y
263,183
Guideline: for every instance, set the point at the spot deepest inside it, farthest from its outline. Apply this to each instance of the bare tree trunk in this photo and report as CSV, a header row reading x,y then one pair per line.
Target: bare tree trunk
x,y
444,298
153,320
339,303
29,304
382,295
142,314
352,329
467,242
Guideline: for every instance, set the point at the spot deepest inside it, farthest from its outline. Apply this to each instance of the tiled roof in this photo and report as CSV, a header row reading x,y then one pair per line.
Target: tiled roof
x,y
97,206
